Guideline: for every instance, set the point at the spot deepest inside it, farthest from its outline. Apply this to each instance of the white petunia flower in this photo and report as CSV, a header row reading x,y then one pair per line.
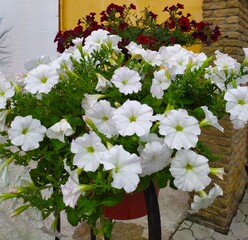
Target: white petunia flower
x,y
3,116
180,129
125,168
237,123
197,60
160,82
210,119
205,200
151,137
135,50
224,62
237,103
133,118
112,42
190,171
41,79
95,39
4,173
101,115
245,52
78,41
35,62
63,61
217,77
152,57
154,157
219,172
126,80
148,138
6,91
26,132
88,150
72,190
103,84
175,58
180,62
90,100
59,130
168,52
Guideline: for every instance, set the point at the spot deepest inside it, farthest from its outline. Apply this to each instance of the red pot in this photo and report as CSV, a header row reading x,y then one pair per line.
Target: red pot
x,y
131,207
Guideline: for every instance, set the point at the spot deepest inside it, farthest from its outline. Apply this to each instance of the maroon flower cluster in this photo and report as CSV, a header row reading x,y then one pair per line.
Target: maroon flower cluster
x,y
145,30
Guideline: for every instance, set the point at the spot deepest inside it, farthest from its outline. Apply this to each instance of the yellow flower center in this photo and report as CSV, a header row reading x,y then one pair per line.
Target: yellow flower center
x,y
90,149
179,128
132,119
241,102
189,167
24,130
105,118
44,79
124,82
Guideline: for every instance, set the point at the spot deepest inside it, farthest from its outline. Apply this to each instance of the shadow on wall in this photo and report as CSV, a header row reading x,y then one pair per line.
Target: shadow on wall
x,y
5,54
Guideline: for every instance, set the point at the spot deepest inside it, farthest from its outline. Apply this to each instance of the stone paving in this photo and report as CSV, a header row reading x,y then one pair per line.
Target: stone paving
x,y
238,228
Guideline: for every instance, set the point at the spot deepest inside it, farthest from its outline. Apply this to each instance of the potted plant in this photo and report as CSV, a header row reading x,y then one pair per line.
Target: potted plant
x,y
143,27
97,123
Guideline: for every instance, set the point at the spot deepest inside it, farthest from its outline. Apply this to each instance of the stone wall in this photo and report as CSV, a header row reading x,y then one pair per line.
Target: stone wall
x,y
232,17
231,145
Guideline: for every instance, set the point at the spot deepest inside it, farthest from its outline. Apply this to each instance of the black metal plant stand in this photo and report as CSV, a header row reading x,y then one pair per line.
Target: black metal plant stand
x,y
153,215
58,227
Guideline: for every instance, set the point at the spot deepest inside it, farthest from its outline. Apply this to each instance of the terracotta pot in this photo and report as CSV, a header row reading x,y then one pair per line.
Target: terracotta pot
x,y
131,207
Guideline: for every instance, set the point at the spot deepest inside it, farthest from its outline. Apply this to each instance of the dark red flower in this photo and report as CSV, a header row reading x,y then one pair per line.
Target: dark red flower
x,y
172,40
78,29
200,35
200,26
166,9
58,36
172,8
91,17
104,16
79,21
151,41
153,15
132,6
172,24
180,6
114,8
184,24
123,25
142,39
166,24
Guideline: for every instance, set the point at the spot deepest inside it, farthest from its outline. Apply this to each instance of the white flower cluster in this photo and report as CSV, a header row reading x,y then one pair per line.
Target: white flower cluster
x,y
177,130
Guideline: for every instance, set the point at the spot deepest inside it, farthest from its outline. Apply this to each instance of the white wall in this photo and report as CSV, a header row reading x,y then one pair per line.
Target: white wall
x,y
34,25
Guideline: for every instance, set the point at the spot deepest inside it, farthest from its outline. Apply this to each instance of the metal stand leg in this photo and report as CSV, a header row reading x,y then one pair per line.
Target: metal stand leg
x,y
58,227
92,236
153,213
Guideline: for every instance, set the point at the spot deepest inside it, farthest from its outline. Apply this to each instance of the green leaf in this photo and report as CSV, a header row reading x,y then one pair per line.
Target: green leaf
x,y
72,217
112,200
108,227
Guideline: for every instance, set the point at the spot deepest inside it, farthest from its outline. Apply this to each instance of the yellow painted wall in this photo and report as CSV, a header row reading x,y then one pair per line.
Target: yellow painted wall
x,y
72,10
